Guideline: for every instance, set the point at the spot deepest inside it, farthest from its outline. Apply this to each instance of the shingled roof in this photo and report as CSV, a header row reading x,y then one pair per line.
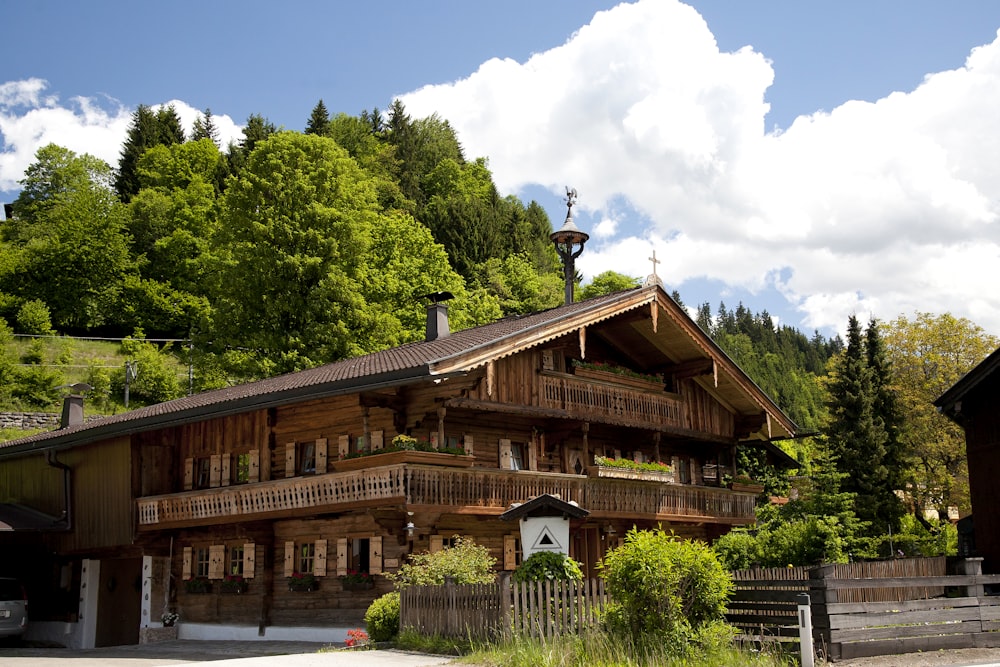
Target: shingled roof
x,y
396,366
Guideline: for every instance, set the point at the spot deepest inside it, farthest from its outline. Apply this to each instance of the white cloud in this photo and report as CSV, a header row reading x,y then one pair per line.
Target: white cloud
x,y
880,207
30,119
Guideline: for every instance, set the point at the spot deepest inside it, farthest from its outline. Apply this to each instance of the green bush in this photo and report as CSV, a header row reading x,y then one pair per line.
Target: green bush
x,y
382,618
34,318
157,379
467,562
666,591
738,550
548,566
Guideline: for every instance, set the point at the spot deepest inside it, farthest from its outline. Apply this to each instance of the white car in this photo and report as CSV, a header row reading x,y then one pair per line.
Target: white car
x,y
13,608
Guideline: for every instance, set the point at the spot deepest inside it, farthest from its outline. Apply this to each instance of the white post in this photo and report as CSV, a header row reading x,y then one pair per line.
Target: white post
x,y
90,586
805,631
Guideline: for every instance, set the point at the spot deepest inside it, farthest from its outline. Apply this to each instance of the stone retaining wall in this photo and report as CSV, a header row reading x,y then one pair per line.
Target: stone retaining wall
x,y
28,420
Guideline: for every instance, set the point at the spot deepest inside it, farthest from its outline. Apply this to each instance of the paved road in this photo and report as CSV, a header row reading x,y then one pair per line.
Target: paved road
x,y
209,653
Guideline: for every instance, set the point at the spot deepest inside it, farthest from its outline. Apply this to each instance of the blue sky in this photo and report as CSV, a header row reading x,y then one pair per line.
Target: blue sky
x,y
813,159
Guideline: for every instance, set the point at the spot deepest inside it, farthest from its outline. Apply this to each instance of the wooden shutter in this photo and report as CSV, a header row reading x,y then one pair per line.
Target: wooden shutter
x,y
289,558
506,458
320,456
378,440
216,561
290,459
249,559
343,446
532,455
437,543
186,562
509,552
254,465
319,559
375,555
227,470
469,447
341,556
215,470
188,474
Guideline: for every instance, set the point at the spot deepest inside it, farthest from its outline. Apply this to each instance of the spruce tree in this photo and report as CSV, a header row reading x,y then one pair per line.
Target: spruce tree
x,y
204,128
147,129
319,120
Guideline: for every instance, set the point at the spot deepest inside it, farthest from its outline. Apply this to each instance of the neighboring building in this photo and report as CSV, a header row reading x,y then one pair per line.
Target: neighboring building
x,y
972,404
263,481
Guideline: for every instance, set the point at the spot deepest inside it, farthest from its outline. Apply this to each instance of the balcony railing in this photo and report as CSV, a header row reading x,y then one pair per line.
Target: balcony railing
x,y
492,491
614,404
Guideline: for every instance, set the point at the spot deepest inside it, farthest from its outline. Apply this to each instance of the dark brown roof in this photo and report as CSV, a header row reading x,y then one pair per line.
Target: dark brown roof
x,y
396,366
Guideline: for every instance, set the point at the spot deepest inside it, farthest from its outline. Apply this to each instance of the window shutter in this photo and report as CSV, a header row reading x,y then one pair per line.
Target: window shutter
x,y
320,456
469,448
378,440
506,458
216,561
437,543
532,455
289,558
249,559
375,555
186,562
254,465
188,474
319,559
215,470
227,475
343,446
434,439
290,459
509,552
341,556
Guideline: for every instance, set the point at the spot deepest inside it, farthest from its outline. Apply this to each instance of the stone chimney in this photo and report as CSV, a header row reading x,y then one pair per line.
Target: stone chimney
x,y
437,315
72,410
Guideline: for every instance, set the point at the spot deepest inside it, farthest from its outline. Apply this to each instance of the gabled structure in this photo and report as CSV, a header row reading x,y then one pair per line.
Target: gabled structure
x,y
297,478
972,403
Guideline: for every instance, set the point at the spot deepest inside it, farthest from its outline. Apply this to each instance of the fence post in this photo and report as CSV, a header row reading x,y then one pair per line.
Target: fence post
x,y
821,593
805,631
971,566
452,608
506,629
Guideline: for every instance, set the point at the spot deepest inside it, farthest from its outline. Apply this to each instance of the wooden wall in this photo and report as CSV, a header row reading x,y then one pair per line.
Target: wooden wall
x,y
982,442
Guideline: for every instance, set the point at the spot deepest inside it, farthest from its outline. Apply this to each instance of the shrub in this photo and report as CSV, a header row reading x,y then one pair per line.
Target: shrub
x,y
738,550
382,618
34,318
548,566
666,591
467,562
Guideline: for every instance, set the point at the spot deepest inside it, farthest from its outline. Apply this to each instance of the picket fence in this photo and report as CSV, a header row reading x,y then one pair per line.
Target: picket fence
x,y
483,611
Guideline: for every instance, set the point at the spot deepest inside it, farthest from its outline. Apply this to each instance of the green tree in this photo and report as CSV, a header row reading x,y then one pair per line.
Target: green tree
x,y
466,562
297,225
55,174
928,354
607,283
319,120
204,128
257,129
148,128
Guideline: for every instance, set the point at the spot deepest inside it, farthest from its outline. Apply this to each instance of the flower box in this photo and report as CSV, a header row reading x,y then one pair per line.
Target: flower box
x,y
747,487
358,585
234,587
303,586
625,473
618,379
198,586
414,457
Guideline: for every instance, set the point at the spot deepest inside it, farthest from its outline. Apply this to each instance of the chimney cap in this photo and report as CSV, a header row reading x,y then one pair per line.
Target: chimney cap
x,y
77,387
438,297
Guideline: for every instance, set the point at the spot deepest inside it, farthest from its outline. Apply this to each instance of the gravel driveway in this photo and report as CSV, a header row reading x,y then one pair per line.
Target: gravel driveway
x,y
952,658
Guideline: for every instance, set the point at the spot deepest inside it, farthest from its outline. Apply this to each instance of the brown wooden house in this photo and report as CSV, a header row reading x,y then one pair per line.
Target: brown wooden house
x,y
246,508
972,403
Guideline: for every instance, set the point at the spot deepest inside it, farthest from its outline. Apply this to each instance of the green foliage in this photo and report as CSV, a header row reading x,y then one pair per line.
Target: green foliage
x,y
147,129
466,561
607,283
382,618
548,566
34,318
666,591
411,640
156,379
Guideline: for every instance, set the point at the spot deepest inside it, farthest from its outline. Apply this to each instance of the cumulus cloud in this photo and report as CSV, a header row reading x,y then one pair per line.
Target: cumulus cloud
x,y
877,208
31,118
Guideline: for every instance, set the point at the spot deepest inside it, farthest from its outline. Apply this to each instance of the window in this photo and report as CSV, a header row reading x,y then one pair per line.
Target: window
x,y
360,555
201,562
516,456
306,463
203,472
241,474
360,444
235,564
306,557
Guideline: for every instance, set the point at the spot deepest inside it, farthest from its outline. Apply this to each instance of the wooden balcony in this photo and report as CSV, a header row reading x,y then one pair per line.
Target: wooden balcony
x,y
470,491
609,402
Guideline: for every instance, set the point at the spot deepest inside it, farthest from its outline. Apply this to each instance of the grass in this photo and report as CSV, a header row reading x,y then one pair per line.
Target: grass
x,y
595,649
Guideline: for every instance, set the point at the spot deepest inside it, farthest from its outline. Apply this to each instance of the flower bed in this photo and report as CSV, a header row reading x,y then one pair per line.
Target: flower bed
x,y
628,469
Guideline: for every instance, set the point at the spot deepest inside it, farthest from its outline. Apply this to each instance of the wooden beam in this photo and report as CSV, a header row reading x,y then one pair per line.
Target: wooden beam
x,y
746,425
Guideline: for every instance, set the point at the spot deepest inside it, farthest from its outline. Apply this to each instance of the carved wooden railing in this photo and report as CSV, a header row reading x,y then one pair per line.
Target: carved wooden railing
x,y
446,487
593,399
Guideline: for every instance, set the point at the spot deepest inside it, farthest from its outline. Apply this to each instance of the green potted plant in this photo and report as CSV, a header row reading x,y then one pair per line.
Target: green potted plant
x,y
233,583
357,581
302,581
198,585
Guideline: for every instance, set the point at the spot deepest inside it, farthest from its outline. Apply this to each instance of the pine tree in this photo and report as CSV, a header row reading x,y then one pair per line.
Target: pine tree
x,y
204,128
147,129
319,120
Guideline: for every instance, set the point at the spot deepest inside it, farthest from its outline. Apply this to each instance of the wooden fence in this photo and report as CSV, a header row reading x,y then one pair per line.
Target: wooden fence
x,y
536,609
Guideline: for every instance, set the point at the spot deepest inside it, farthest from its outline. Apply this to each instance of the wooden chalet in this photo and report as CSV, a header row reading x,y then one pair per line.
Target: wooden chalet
x,y
245,509
971,403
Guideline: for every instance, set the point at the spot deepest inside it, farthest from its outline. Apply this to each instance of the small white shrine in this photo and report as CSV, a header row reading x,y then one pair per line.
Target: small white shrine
x,y
544,523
